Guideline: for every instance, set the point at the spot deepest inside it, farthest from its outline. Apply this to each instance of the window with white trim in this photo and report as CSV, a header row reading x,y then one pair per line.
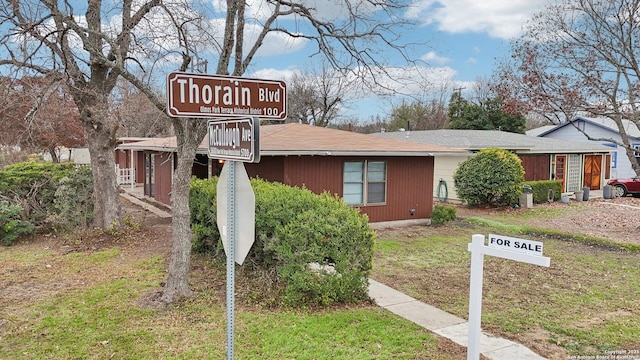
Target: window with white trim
x,y
636,150
365,182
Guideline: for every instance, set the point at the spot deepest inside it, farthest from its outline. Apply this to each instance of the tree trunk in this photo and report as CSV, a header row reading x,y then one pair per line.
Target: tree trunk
x,y
177,286
54,154
101,143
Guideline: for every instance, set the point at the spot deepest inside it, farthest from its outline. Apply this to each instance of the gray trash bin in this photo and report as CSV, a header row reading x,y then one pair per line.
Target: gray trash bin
x,y
585,193
606,192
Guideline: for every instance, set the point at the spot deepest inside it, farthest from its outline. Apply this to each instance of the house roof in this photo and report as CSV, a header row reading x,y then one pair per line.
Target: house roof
x,y
299,139
475,140
602,122
539,130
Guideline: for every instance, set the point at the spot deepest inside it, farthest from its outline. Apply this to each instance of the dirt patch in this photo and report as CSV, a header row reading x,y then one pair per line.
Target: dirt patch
x,y
43,271
616,219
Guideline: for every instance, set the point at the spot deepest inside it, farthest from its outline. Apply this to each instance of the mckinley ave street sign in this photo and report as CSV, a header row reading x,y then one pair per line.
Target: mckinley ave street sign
x,y
217,96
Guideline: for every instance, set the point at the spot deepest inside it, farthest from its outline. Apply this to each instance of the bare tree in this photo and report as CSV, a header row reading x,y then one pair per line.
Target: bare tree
x,y
91,55
339,40
317,96
579,57
136,114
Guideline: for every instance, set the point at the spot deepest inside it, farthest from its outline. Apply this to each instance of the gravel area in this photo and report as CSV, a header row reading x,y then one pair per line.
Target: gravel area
x,y
615,219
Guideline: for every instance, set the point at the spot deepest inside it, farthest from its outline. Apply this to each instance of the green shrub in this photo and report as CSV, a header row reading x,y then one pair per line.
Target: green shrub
x,y
441,214
11,226
336,239
72,202
492,177
295,229
540,190
202,204
33,185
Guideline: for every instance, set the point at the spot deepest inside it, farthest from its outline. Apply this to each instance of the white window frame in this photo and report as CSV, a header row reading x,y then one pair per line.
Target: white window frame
x,y
364,182
636,150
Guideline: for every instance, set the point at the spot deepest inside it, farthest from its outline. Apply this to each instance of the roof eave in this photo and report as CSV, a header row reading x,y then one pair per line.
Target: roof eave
x,y
357,153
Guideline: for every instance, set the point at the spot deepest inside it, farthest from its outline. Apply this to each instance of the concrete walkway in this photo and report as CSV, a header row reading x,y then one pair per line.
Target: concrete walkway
x,y
445,324
135,199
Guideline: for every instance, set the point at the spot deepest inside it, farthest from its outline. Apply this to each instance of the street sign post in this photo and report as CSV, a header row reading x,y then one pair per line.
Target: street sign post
x,y
505,247
235,139
222,98
243,227
217,96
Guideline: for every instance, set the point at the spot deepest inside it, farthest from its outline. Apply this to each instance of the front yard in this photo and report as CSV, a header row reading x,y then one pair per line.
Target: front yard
x,y
80,297
585,303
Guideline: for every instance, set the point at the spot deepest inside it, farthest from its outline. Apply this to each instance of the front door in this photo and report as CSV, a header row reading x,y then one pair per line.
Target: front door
x,y
149,175
560,169
592,171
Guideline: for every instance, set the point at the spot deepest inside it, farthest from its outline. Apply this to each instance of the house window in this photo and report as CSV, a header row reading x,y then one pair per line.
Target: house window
x,y
365,182
636,150
614,158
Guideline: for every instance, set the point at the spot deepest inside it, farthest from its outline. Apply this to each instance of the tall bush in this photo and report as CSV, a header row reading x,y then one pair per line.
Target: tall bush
x,y
300,235
72,200
492,177
336,239
33,186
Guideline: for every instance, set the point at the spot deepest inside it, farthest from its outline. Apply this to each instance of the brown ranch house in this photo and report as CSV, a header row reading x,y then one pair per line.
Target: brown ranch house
x,y
386,179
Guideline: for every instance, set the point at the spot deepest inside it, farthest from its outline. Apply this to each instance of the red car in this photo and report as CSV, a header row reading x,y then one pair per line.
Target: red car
x,y
624,187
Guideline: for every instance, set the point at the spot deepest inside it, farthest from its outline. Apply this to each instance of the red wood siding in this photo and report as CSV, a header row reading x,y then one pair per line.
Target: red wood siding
x,y
123,158
316,173
536,167
409,186
163,170
139,155
269,168
409,183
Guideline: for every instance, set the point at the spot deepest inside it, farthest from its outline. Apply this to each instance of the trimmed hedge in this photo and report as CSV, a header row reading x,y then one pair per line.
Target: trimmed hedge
x,y
321,247
540,190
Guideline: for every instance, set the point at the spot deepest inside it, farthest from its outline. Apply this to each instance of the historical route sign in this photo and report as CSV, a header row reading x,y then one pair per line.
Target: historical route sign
x,y
217,96
235,139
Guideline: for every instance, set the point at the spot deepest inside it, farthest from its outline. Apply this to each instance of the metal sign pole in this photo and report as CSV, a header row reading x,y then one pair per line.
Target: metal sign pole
x,y
475,297
231,239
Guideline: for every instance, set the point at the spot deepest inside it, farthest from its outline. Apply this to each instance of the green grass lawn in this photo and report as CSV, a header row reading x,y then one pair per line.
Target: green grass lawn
x,y
55,313
586,302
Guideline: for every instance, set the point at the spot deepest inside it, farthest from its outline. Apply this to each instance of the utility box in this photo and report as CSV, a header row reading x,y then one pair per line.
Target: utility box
x,y
526,200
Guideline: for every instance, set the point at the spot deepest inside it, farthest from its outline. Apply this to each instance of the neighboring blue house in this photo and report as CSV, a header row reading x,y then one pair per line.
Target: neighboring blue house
x,y
599,128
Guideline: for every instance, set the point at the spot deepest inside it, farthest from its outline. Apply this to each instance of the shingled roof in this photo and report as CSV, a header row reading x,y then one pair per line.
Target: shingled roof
x,y
475,140
299,139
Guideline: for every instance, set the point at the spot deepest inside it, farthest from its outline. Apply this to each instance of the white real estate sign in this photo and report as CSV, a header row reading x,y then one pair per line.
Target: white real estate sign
x,y
505,247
